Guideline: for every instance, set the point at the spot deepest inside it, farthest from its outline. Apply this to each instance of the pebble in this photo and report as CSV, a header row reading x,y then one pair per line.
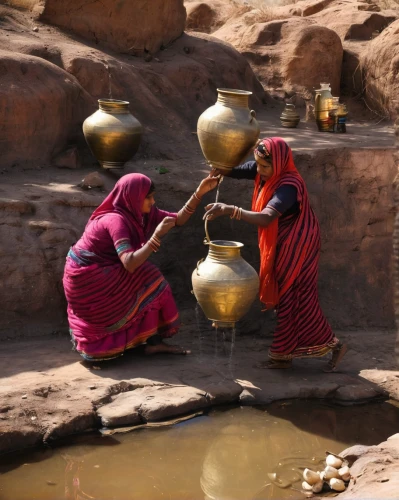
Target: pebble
x,y
36,29
51,483
96,368
92,180
24,396
92,387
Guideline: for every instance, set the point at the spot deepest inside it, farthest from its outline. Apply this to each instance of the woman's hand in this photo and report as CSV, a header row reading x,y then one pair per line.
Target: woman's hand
x,y
207,185
165,226
215,172
215,210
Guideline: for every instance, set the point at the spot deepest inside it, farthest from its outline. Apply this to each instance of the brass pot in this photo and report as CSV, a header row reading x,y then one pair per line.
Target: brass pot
x,y
112,133
289,117
323,104
228,130
224,284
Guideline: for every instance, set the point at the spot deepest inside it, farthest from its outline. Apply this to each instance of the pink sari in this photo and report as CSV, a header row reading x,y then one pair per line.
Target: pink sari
x,y
109,309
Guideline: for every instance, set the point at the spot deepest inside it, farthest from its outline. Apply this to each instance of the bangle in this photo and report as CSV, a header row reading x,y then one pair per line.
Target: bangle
x,y
196,196
237,213
156,239
188,209
154,243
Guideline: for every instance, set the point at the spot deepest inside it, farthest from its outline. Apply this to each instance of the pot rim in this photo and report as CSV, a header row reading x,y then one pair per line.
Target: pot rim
x,y
234,244
111,101
234,91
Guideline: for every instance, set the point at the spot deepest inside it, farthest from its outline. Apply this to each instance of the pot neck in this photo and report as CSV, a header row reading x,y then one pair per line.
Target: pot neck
x,y
113,106
224,250
233,98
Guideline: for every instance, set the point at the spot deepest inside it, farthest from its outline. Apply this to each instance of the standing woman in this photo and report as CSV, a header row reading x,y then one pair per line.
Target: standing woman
x,y
289,244
117,299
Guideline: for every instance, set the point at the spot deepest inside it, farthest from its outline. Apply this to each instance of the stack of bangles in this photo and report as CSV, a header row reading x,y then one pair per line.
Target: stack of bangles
x,y
237,213
155,243
190,210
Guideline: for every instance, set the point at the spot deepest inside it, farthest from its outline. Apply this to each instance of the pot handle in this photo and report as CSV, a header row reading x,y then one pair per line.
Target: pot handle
x,y
253,115
207,240
198,263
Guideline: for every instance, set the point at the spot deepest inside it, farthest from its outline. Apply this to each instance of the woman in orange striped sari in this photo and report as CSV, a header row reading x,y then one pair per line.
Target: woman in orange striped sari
x,y
289,244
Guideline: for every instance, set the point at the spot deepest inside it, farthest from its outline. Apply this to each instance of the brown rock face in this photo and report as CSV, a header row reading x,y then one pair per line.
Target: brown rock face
x,y
380,66
353,24
135,27
375,473
292,54
41,108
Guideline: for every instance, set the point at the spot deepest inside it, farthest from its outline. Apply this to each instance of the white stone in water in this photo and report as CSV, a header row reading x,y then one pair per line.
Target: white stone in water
x,y
330,472
306,486
322,475
317,487
334,461
337,484
310,476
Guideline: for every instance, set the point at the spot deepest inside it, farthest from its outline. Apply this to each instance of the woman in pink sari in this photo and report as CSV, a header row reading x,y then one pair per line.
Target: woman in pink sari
x,y
117,299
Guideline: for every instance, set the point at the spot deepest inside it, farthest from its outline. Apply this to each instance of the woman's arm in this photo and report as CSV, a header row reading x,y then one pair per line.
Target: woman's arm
x,y
262,219
189,208
132,260
247,170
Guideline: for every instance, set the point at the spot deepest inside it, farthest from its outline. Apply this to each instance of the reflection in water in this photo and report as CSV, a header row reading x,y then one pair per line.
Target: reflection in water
x,y
237,454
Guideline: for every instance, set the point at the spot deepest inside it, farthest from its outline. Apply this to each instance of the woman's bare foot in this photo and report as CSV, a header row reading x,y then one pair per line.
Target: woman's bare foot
x,y
163,348
337,355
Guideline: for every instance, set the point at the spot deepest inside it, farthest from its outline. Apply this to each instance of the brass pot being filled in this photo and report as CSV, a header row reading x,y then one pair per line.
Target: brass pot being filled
x,y
228,130
112,133
224,284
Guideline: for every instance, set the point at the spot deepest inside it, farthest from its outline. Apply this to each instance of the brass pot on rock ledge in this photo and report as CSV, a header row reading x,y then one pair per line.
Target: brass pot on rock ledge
x,y
224,284
112,133
228,130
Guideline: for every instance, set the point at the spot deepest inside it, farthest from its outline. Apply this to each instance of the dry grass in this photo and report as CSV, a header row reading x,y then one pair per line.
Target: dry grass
x,y
266,10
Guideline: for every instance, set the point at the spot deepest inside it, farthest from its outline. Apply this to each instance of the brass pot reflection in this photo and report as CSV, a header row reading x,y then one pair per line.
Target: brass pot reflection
x,y
224,284
112,133
228,130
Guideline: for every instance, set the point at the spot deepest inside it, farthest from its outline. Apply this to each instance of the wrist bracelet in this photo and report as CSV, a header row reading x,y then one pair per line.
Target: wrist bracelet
x,y
237,213
196,196
154,243
188,209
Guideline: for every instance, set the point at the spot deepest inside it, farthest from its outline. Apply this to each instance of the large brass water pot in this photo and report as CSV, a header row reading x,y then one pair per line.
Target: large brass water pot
x,y
224,284
228,130
112,133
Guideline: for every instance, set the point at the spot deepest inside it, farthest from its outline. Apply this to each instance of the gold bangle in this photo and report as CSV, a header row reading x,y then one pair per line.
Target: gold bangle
x,y
196,196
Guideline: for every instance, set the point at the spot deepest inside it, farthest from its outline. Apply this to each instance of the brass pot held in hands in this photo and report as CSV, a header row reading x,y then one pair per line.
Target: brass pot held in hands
x,y
228,130
112,133
224,284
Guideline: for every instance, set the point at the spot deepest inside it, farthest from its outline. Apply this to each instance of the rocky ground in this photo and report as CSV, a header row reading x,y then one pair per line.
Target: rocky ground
x,y
47,392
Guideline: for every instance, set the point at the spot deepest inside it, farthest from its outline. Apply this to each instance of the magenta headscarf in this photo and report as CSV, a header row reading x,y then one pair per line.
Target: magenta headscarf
x,y
126,199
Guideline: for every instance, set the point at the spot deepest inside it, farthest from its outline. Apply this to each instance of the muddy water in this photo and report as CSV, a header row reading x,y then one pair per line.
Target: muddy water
x,y
241,453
